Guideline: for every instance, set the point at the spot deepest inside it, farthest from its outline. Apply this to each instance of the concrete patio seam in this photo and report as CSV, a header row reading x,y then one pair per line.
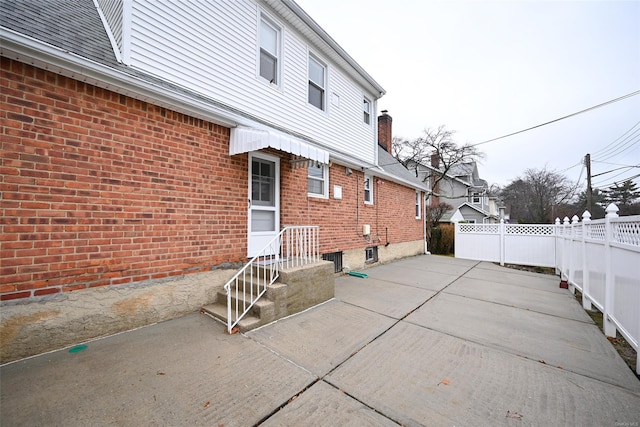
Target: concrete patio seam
x,y
396,322
507,351
586,322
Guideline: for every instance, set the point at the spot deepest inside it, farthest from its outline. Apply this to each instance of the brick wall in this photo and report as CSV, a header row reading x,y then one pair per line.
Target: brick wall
x,y
100,189
341,221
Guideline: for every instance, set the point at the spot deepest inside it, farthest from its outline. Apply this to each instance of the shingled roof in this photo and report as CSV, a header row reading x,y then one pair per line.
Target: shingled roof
x,y
72,25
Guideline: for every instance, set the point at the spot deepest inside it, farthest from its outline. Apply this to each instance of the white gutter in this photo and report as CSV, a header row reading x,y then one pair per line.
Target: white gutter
x,y
300,13
42,55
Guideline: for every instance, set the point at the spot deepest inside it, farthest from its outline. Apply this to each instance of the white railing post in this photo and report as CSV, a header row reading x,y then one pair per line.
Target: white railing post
x,y
609,326
502,249
572,246
565,249
586,299
557,238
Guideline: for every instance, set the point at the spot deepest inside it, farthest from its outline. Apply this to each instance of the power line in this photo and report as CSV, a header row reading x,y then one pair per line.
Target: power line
x,y
622,149
604,184
561,118
612,164
616,169
603,149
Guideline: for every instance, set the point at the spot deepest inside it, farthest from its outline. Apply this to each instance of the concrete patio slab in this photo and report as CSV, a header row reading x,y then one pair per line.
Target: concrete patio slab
x,y
420,377
575,346
542,301
476,352
186,371
497,274
416,277
324,336
324,405
435,264
383,297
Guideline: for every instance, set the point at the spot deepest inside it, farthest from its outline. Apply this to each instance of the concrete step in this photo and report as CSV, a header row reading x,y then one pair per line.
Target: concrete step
x,y
247,286
262,312
245,300
219,312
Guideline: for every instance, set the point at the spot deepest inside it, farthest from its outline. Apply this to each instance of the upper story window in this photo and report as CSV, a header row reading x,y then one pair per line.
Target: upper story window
x,y
366,108
475,198
269,51
368,189
418,205
318,180
317,83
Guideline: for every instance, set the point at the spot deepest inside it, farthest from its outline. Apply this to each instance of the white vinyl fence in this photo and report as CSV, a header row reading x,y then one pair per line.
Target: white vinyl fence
x,y
600,258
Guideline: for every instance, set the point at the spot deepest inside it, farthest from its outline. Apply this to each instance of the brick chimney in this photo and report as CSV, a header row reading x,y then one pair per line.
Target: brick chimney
x,y
435,163
384,131
435,160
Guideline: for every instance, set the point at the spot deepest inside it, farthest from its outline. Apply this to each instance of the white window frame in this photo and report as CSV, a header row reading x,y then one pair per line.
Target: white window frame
x,y
418,204
476,196
324,180
316,59
263,17
366,113
369,188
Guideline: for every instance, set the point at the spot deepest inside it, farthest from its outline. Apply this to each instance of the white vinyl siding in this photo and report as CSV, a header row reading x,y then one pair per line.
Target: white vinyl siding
x,y
211,49
112,10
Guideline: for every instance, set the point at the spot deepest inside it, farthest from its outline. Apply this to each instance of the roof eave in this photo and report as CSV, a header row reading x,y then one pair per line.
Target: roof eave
x,y
26,49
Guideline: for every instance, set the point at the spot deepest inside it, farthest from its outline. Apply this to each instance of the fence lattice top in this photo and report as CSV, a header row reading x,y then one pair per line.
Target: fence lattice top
x,y
626,232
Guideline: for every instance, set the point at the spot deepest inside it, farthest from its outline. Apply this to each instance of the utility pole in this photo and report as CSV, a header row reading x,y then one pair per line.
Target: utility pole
x,y
587,162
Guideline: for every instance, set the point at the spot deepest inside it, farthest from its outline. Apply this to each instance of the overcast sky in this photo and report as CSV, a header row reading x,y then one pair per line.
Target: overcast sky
x,y
490,68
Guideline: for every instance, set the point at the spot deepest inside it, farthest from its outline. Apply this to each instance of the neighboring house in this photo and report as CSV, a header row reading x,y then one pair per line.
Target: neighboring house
x,y
463,189
149,148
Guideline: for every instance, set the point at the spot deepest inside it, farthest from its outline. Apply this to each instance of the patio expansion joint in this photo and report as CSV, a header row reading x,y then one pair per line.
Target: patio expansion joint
x,y
338,365
586,322
510,353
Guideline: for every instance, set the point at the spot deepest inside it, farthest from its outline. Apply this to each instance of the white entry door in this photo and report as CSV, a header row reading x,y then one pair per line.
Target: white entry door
x,y
264,201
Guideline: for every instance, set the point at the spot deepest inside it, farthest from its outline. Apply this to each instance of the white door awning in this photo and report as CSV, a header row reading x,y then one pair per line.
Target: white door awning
x,y
245,139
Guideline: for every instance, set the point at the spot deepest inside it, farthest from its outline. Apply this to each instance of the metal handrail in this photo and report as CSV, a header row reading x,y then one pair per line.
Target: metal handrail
x,y
294,246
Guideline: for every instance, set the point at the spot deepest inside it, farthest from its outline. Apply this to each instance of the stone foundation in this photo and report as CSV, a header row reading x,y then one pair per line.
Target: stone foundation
x,y
32,328
355,259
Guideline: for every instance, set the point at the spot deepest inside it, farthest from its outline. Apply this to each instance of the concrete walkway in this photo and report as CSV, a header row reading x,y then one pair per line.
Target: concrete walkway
x,y
428,340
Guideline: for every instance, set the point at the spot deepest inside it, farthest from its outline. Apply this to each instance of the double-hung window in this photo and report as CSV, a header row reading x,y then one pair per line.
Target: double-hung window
x,y
368,189
269,51
317,83
318,180
366,109
418,205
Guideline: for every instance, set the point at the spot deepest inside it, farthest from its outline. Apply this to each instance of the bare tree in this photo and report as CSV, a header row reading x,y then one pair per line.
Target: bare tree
x,y
533,197
434,142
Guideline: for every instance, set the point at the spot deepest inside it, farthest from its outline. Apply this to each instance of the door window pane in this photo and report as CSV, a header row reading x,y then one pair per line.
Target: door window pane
x,y
263,220
263,188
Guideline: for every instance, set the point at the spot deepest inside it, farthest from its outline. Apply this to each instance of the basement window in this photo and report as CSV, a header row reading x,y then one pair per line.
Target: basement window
x,y
371,254
336,259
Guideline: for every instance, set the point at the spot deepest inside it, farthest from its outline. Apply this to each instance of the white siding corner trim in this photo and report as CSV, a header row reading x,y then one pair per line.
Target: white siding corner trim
x,y
245,139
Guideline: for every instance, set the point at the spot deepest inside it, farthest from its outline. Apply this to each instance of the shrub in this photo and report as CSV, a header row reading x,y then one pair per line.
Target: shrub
x,y
442,240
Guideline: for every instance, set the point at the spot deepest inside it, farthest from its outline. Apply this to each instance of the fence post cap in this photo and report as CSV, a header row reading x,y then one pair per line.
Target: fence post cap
x,y
574,219
557,221
566,220
586,216
612,211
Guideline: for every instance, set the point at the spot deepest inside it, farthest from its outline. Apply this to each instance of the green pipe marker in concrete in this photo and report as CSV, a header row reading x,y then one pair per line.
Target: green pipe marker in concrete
x,y
356,274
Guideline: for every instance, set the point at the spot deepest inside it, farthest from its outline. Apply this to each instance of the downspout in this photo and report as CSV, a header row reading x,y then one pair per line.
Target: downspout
x,y
424,223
